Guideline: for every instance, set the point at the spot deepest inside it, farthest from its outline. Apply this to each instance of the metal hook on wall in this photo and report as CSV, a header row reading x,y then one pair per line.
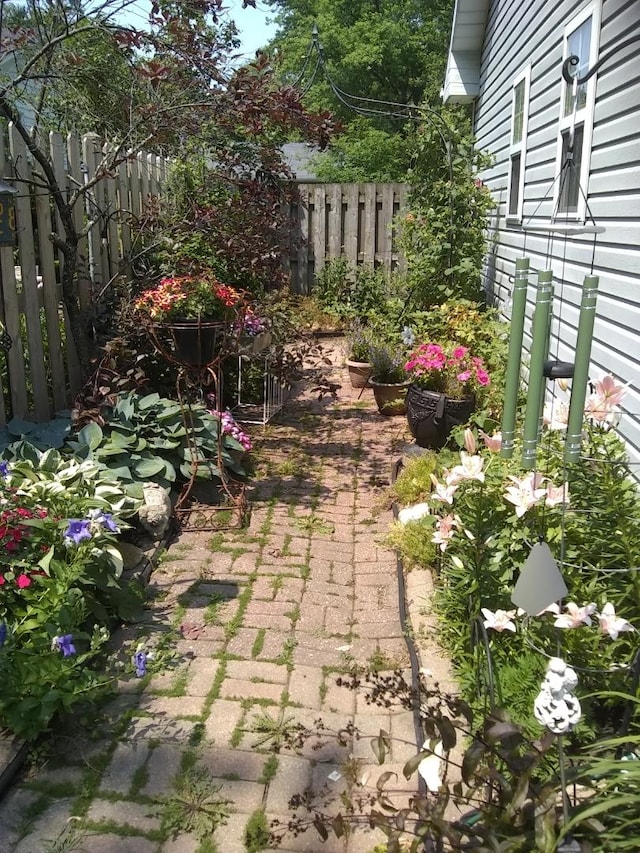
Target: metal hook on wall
x,y
572,62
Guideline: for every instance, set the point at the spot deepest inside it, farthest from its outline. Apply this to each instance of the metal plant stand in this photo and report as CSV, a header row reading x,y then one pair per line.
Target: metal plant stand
x,y
201,505
274,391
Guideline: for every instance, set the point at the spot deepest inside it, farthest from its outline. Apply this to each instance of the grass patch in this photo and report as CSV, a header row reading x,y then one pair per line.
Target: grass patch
x,y
269,770
256,833
258,643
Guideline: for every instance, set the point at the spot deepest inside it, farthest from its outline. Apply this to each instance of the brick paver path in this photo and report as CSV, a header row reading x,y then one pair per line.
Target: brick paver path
x,y
250,629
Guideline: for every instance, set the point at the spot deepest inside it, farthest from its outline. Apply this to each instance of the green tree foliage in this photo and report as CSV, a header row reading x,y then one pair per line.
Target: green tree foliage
x,y
443,235
388,50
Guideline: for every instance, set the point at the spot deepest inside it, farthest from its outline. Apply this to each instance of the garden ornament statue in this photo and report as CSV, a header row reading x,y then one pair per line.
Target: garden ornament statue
x,y
555,706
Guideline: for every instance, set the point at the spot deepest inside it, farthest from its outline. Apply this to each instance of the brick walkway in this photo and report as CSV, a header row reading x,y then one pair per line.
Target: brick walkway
x,y
253,628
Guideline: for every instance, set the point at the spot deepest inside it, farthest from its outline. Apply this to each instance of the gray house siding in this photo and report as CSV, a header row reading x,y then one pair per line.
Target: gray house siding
x,y
516,34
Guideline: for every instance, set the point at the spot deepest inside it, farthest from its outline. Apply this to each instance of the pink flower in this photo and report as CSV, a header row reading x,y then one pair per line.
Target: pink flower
x,y
444,531
23,581
465,376
575,616
611,624
483,377
557,494
459,352
470,441
524,493
601,410
493,442
610,390
501,620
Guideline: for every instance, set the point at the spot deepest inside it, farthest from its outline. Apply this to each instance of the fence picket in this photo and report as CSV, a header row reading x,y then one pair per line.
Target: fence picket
x,y
50,299
355,223
29,277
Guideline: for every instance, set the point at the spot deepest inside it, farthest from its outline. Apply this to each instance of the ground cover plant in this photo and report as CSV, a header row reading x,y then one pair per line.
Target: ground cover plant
x,y
60,582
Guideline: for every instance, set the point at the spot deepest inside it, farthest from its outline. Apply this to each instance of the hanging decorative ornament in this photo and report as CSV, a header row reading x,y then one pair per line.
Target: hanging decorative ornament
x,y
555,706
540,582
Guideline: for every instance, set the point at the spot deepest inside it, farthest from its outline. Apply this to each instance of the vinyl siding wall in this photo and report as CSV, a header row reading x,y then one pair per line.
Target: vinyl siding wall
x,y
516,34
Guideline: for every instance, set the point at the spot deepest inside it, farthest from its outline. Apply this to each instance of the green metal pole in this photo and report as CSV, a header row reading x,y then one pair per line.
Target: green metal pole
x,y
539,347
512,381
581,368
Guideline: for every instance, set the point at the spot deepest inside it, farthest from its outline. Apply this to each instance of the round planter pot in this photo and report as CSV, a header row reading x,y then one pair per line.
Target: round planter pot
x,y
431,415
390,396
359,373
196,343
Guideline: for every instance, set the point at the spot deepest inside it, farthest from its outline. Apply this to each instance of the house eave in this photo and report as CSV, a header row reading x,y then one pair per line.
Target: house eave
x,y
462,79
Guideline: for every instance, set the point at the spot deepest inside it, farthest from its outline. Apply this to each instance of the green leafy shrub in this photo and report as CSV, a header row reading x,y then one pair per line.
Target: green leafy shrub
x,y
413,483
60,582
144,438
443,234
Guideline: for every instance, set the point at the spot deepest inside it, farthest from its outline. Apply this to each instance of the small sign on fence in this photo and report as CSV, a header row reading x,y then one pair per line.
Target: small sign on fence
x,y
7,214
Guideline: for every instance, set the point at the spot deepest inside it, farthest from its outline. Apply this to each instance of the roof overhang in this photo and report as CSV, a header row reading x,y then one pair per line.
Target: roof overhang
x,y
462,80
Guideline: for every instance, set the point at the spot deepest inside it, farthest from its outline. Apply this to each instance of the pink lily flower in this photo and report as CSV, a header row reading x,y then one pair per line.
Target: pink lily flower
x,y
575,616
611,624
557,494
470,441
611,390
444,531
555,415
492,442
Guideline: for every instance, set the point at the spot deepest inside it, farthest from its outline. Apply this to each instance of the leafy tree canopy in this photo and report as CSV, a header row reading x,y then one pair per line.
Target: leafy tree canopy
x,y
387,50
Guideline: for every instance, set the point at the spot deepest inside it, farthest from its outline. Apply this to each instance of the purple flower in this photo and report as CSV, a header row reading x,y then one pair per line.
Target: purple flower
x,y
64,644
140,663
3,633
104,520
78,529
4,469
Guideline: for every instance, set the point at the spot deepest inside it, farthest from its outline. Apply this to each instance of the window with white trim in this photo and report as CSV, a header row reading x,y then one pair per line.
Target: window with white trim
x,y
518,143
577,104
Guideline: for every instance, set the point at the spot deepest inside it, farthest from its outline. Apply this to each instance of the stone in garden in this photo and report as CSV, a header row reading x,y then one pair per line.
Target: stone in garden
x,y
155,513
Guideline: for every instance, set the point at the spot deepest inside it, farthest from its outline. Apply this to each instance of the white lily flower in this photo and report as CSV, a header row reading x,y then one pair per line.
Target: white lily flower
x,y
501,620
470,468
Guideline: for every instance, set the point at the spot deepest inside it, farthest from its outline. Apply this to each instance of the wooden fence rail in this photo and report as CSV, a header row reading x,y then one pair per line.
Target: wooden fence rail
x,y
39,371
353,221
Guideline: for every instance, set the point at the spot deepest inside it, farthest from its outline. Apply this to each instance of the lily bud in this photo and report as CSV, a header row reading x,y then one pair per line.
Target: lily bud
x,y
469,441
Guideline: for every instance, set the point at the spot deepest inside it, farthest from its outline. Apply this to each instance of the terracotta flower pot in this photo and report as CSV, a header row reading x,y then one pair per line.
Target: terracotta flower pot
x,y
432,415
390,396
359,373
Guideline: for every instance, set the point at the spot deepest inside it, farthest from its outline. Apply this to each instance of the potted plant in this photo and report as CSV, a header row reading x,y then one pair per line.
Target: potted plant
x,y
360,339
444,383
388,378
195,310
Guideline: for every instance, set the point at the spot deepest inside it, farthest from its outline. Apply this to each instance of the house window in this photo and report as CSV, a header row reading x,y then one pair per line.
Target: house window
x,y
581,38
518,143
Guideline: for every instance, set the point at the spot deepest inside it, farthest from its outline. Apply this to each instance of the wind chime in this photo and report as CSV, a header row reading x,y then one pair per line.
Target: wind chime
x,y
540,583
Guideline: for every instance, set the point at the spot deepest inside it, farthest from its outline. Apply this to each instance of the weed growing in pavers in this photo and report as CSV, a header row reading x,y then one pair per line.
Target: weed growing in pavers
x,y
236,734
68,839
273,732
213,694
91,781
314,524
258,643
285,658
139,780
196,735
123,830
293,614
207,845
256,833
195,805
305,572
32,813
276,584
212,609
269,770
235,623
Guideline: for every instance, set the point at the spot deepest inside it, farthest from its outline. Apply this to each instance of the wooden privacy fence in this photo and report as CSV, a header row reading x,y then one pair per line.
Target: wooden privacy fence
x,y
353,221
39,371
